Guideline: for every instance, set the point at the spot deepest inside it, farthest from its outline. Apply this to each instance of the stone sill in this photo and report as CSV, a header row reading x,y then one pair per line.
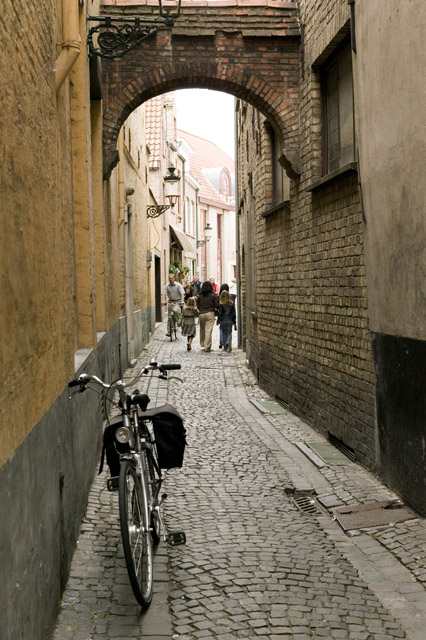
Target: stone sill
x,y
285,206
351,167
80,358
279,4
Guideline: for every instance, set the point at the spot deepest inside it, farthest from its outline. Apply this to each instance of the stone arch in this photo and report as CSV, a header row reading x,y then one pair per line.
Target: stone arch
x,y
248,55
203,75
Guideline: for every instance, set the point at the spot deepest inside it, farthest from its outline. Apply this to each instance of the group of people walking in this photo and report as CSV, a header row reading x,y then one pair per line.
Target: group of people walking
x,y
206,302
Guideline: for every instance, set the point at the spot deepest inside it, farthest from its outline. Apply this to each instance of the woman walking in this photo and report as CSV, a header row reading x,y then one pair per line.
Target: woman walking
x,y
223,287
188,291
189,313
226,319
207,303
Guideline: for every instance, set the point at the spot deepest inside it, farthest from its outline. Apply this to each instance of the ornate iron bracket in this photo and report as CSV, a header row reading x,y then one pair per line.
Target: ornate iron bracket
x,y
118,36
155,210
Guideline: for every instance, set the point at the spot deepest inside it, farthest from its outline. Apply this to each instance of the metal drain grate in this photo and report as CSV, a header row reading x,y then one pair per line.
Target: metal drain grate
x,y
283,403
327,453
307,504
264,405
344,448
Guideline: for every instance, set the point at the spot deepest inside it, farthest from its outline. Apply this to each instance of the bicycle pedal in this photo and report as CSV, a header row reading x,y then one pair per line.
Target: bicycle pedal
x,y
112,483
176,538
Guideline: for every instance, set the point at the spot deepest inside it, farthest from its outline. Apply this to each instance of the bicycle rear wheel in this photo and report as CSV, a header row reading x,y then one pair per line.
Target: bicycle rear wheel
x,y
135,530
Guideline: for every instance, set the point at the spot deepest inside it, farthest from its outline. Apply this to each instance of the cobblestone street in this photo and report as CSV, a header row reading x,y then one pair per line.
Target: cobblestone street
x,y
255,566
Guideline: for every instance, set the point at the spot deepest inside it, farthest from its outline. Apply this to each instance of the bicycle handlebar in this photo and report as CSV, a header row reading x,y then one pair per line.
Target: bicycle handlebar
x,y
84,379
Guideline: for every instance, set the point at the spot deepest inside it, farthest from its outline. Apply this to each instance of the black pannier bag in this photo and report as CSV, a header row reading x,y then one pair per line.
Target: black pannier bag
x,y
170,437
169,434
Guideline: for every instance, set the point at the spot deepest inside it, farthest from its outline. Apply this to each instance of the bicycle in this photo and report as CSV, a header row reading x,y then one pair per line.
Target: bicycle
x,y
173,315
137,448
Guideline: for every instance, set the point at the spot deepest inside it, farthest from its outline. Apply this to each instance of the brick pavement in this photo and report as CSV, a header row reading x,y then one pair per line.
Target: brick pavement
x,y
254,566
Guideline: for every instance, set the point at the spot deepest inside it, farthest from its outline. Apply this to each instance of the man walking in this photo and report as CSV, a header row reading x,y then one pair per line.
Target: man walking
x,y
173,293
196,285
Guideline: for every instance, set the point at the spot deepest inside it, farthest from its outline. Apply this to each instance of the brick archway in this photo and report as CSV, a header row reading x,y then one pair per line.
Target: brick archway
x,y
251,52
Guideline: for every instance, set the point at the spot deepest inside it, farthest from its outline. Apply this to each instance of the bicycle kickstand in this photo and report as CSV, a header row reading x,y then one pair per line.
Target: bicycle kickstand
x,y
172,538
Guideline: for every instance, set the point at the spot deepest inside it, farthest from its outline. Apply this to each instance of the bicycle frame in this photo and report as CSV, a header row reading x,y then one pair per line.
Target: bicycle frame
x,y
173,313
139,480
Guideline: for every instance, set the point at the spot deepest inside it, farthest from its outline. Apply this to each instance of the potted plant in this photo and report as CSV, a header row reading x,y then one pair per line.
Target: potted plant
x,y
178,271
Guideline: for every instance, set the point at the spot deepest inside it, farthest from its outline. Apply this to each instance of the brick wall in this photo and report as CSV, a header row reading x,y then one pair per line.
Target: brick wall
x,y
306,330
249,50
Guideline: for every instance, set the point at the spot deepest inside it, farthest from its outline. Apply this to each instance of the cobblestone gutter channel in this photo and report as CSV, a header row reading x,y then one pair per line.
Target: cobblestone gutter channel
x,y
255,566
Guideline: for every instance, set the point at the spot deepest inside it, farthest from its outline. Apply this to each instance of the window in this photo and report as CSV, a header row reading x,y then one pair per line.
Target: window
x,y
338,110
279,189
186,217
225,188
192,218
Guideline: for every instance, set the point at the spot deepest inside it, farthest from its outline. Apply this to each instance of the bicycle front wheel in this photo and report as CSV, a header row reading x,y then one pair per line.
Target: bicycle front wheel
x,y
171,326
135,530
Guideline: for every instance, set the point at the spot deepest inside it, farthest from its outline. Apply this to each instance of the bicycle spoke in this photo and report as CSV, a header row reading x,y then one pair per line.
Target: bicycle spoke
x,y
136,536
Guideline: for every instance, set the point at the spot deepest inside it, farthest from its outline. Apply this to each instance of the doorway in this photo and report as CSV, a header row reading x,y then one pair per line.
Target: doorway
x,y
157,267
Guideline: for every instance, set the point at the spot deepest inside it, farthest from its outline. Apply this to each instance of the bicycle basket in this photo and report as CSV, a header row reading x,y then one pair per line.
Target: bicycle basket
x,y
170,437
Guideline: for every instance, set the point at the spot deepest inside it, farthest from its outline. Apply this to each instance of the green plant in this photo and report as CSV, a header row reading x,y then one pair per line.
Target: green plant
x,y
177,268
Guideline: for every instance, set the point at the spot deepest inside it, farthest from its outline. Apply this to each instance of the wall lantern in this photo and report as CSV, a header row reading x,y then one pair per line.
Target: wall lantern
x,y
207,236
171,182
114,36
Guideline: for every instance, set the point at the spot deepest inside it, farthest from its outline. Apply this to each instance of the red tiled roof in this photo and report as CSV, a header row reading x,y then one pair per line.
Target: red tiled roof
x,y
206,155
153,125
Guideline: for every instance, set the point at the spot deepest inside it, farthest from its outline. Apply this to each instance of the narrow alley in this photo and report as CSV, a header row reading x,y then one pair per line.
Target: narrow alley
x,y
255,566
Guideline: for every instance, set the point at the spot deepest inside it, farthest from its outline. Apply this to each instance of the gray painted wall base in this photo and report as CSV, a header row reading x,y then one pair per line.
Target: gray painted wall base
x,y
43,494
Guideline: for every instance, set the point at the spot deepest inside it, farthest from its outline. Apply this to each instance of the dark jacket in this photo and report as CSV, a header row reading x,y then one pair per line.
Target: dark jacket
x,y
186,296
196,287
207,303
226,313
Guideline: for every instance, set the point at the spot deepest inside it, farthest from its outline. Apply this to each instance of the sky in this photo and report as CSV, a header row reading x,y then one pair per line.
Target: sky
x,y
208,114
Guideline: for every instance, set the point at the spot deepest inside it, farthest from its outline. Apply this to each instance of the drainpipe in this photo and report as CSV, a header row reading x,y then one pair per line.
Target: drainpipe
x,y
71,42
237,231
197,231
183,181
121,200
351,3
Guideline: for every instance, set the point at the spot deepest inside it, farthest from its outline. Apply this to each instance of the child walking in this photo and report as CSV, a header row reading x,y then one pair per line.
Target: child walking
x,y
226,319
189,313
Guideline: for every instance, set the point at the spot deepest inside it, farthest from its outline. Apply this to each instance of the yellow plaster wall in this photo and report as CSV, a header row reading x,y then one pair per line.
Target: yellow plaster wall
x,y
51,216
114,247
98,214
36,240
83,202
135,171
